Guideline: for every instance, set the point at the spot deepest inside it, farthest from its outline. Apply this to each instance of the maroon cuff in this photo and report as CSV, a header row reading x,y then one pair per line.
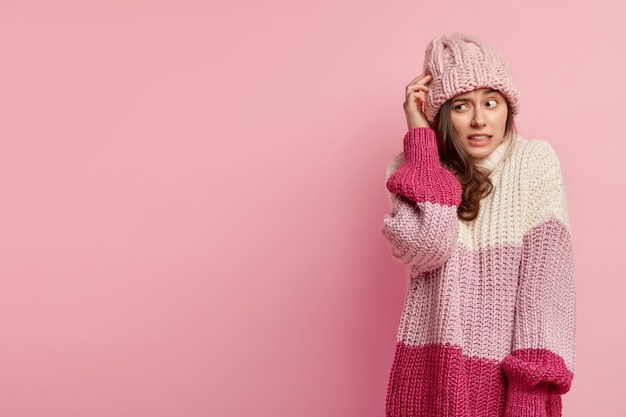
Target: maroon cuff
x,y
531,367
421,178
536,380
537,401
420,147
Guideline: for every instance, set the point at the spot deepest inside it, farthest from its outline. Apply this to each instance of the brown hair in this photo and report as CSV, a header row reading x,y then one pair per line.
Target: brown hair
x,y
474,180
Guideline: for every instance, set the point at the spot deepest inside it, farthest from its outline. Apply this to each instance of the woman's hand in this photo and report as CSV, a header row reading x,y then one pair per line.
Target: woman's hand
x,y
414,101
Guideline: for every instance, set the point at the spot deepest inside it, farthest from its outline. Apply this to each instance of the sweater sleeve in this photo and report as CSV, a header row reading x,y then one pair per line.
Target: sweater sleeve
x,y
540,367
422,228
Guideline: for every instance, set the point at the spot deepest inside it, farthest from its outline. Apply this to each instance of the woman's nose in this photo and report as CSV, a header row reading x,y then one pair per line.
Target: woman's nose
x,y
478,119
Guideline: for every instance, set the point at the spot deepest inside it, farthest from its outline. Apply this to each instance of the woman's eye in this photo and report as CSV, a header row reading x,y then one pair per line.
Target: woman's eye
x,y
460,107
491,103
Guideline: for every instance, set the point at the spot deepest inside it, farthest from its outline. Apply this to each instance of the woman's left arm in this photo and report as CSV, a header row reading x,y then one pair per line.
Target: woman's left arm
x,y
541,365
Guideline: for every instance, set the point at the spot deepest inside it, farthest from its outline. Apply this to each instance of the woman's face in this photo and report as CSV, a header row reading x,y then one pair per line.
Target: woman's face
x,y
479,120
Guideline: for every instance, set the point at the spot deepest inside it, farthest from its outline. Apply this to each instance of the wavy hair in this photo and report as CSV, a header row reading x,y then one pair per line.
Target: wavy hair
x,y
474,180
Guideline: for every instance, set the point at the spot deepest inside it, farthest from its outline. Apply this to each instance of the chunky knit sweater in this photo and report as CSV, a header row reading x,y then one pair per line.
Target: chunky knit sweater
x,y
488,324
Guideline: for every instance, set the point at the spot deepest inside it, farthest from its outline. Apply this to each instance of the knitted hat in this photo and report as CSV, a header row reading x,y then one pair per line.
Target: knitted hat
x,y
460,63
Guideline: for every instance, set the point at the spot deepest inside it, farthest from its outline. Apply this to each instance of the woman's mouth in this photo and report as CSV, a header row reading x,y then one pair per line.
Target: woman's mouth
x,y
479,140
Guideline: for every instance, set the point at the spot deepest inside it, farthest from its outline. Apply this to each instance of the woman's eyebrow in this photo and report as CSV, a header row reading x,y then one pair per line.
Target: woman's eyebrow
x,y
485,93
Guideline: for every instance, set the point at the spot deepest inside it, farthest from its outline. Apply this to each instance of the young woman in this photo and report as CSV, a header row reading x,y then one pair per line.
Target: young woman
x,y
480,220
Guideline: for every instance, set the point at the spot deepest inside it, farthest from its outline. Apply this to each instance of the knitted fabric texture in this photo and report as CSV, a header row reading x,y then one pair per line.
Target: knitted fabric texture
x,y
433,182
488,324
460,63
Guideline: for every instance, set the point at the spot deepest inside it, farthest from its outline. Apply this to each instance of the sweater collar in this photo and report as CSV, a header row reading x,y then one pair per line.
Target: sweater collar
x,y
494,161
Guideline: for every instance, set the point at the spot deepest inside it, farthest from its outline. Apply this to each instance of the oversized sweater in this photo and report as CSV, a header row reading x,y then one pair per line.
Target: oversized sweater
x,y
489,320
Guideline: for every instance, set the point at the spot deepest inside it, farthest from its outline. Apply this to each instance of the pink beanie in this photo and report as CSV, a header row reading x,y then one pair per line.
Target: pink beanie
x,y
460,63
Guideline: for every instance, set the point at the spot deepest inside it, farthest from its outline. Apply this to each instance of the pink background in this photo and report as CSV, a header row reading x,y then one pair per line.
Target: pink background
x,y
191,197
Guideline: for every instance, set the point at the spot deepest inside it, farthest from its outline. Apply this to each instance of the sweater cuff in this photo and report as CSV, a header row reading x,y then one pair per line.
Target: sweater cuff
x,y
536,380
421,178
537,401
532,367
420,147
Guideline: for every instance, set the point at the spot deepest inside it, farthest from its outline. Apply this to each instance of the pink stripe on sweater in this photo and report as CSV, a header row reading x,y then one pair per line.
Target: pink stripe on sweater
x,y
545,305
421,235
420,384
470,302
473,299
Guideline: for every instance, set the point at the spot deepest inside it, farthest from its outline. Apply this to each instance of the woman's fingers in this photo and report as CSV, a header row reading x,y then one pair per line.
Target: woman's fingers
x,y
416,89
418,84
415,97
